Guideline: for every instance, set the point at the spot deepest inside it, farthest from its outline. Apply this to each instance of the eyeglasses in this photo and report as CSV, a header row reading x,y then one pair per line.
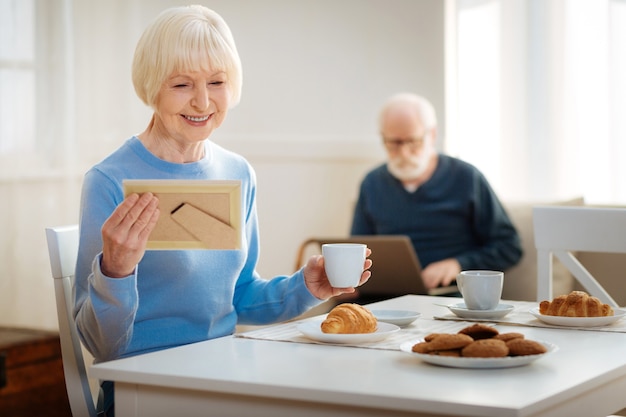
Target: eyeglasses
x,y
394,145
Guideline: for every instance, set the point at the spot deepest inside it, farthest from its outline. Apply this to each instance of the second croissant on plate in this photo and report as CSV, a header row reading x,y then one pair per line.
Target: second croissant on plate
x,y
349,318
575,304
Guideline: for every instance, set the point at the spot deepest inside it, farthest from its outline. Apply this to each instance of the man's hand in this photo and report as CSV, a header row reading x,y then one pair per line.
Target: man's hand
x,y
441,273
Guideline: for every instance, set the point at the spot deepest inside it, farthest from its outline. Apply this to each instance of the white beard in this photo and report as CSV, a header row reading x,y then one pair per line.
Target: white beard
x,y
407,169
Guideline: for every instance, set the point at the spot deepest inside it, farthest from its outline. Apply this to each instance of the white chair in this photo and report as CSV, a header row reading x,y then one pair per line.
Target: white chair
x,y
63,250
561,230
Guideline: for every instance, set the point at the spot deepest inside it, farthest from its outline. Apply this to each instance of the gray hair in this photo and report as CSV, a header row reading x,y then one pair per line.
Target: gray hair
x,y
423,108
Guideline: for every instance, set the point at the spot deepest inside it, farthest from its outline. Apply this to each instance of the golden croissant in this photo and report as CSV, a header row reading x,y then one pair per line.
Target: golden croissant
x,y
349,318
575,304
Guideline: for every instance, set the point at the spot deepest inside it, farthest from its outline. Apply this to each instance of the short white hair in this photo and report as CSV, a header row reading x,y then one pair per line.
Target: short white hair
x,y
187,38
422,107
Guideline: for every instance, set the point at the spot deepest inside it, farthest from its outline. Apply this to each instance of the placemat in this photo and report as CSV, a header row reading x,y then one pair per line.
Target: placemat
x,y
521,316
288,332
445,323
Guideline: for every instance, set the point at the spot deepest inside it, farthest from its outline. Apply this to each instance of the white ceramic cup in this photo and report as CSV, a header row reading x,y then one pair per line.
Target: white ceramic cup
x,y
344,263
481,290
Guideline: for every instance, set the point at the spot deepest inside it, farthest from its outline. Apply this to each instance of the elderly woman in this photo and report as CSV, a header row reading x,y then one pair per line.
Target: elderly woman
x,y
130,300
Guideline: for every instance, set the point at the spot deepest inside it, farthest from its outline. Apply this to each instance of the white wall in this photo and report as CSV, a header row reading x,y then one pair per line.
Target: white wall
x,y
324,71
26,287
315,74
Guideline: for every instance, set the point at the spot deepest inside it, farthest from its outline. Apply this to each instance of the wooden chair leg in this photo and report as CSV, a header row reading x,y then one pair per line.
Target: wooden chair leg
x,y
302,251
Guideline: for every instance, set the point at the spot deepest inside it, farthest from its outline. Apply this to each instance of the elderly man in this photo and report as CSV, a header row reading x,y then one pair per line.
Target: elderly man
x,y
445,205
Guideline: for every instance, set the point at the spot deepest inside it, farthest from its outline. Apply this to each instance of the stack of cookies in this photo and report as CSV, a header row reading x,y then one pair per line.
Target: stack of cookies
x,y
479,341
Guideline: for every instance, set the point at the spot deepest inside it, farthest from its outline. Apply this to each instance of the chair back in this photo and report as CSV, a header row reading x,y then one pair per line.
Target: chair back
x,y
63,250
559,231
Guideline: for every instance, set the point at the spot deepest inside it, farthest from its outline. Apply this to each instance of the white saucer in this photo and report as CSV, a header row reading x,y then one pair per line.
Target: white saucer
x,y
462,311
397,317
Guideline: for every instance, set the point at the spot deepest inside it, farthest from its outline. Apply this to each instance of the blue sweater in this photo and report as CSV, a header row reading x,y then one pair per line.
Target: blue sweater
x,y
455,214
180,296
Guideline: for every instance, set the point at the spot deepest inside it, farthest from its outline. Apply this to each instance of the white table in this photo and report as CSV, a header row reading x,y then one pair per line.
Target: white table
x,y
238,377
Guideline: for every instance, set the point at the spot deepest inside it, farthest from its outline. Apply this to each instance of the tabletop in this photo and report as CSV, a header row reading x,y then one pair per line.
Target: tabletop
x,y
586,376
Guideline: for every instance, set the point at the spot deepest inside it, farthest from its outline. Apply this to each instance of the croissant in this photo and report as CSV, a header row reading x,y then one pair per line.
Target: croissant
x,y
575,304
349,318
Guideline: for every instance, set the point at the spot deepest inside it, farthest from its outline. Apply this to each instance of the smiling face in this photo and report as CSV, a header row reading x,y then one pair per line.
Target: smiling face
x,y
190,106
186,67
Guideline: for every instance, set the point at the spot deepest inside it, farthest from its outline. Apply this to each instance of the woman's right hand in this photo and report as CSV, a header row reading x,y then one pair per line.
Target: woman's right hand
x,y
125,234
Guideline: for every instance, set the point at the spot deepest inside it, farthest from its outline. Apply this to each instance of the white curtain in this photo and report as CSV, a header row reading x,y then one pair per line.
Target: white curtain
x,y
540,96
39,178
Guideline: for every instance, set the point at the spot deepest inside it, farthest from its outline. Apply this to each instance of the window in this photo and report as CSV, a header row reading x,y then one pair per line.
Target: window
x,y
538,96
617,98
36,81
17,77
478,60
595,40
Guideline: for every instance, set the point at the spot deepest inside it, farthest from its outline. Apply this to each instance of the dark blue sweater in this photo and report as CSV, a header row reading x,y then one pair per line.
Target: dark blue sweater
x,y
455,214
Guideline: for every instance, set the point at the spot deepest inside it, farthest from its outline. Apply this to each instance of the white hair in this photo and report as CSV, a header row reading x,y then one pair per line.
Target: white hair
x,y
422,107
185,38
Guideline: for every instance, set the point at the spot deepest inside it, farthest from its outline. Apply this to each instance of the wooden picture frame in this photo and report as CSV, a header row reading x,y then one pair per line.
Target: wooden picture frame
x,y
194,214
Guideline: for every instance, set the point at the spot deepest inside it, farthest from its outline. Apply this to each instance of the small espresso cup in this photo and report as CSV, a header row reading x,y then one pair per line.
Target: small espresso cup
x,y
481,290
344,263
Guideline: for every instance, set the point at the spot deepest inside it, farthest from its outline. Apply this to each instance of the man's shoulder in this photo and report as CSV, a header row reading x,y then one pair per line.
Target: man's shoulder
x,y
451,163
376,173
378,170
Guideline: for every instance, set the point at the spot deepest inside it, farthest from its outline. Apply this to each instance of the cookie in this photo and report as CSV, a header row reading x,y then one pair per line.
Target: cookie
x,y
421,347
486,348
505,337
449,341
479,331
454,352
522,347
431,337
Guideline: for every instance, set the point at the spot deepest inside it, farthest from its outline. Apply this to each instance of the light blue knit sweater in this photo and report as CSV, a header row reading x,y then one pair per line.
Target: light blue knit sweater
x,y
174,297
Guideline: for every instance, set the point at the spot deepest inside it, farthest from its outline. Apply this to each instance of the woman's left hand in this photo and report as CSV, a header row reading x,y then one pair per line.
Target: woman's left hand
x,y
317,282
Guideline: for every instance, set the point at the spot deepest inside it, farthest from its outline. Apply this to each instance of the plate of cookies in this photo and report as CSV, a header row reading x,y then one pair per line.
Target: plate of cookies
x,y
478,346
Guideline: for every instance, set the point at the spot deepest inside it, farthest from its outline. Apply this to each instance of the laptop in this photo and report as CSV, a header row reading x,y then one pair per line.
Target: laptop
x,y
396,269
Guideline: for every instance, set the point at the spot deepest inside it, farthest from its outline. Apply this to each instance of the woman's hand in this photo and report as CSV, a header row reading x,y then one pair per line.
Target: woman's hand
x,y
317,282
125,234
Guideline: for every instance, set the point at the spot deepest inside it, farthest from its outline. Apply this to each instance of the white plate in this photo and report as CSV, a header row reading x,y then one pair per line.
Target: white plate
x,y
579,321
462,311
397,317
491,363
312,330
